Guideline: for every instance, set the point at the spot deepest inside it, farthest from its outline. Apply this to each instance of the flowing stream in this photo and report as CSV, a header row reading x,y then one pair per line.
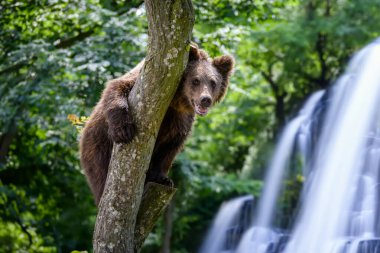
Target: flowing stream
x,y
336,136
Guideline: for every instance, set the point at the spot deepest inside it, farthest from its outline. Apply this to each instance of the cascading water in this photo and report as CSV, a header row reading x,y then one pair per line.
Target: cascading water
x,y
280,161
229,211
340,199
329,200
231,220
264,237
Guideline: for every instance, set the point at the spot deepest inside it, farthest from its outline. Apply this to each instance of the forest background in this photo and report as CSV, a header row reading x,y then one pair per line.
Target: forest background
x,y
57,55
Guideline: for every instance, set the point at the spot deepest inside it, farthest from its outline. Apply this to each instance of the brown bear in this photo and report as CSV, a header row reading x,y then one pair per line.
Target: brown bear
x,y
204,83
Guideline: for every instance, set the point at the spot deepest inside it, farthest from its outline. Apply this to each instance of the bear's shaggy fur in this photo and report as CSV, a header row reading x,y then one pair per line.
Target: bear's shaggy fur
x,y
204,83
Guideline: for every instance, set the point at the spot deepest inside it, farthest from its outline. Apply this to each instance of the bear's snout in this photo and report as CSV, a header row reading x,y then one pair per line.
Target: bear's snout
x,y
206,101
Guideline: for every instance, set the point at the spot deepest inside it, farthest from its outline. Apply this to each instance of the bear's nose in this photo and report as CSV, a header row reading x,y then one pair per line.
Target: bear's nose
x,y
206,101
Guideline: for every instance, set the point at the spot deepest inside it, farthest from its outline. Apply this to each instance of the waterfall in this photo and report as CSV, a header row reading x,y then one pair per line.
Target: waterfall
x,y
230,222
326,211
261,237
340,150
225,220
280,161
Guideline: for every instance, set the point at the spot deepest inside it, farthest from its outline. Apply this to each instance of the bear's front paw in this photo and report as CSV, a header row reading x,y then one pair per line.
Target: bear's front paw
x,y
121,127
123,133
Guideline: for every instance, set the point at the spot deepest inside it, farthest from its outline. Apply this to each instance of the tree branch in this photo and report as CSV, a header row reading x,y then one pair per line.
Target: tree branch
x,y
320,48
14,67
25,230
279,95
5,142
82,35
269,79
170,24
153,203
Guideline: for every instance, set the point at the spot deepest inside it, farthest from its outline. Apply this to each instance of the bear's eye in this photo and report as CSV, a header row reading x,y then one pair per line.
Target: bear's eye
x,y
195,82
213,84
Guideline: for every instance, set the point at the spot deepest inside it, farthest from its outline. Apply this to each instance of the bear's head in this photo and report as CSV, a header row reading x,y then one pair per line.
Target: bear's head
x,y
204,81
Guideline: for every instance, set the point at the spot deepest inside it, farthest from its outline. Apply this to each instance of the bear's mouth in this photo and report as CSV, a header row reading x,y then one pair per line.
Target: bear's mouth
x,y
200,110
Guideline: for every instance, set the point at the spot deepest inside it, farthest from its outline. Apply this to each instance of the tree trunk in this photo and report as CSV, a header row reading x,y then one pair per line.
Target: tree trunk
x,y
6,140
170,23
168,225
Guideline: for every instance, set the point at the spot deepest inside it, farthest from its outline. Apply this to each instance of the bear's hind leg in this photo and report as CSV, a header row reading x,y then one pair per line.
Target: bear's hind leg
x,y
162,159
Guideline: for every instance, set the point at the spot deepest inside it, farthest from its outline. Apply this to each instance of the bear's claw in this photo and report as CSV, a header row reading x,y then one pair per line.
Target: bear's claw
x,y
159,179
165,181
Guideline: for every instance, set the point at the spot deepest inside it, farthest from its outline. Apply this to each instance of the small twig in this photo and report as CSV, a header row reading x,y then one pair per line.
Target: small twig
x,y
25,230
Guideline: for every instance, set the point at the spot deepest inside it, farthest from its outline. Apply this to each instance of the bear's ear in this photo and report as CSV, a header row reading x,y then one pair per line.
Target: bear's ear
x,y
194,54
225,65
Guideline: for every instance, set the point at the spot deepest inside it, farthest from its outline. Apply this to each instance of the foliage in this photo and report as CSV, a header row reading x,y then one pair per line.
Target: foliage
x,y
56,56
48,72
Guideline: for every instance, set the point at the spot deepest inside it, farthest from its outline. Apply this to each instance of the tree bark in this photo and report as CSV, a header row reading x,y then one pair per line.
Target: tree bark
x,y
154,201
6,140
170,23
168,225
